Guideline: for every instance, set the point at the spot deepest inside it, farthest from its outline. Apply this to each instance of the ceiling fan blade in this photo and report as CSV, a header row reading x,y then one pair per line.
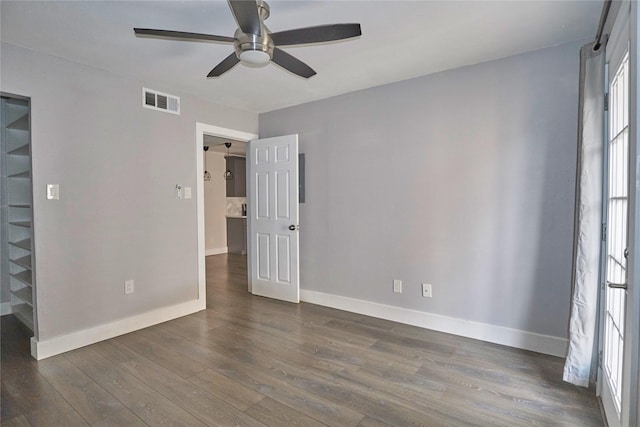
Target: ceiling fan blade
x,y
246,14
292,64
228,63
181,35
318,34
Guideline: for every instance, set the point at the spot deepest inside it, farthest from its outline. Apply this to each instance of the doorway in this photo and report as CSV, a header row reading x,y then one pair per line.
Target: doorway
x,y
18,289
616,250
205,131
225,196
615,369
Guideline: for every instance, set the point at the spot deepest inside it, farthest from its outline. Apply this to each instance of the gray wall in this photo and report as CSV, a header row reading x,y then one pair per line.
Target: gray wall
x,y
463,179
117,165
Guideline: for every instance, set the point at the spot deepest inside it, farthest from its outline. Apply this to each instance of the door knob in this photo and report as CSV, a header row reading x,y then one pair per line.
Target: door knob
x,y
294,227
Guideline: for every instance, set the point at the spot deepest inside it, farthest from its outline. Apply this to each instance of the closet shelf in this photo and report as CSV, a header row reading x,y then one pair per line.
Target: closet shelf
x,y
21,123
22,244
26,224
19,102
24,262
23,276
25,174
24,313
25,295
20,151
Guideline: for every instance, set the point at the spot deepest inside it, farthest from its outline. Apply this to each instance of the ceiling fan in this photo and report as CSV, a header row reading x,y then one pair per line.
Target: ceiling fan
x,y
255,44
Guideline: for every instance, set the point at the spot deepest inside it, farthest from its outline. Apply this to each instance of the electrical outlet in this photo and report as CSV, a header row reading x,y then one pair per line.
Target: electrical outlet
x,y
128,287
397,286
426,290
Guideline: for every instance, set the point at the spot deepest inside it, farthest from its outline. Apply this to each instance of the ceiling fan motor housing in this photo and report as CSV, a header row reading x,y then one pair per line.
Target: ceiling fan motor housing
x,y
253,43
254,49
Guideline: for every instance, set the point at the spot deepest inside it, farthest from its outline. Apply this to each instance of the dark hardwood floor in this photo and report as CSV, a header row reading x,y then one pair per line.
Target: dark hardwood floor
x,y
252,361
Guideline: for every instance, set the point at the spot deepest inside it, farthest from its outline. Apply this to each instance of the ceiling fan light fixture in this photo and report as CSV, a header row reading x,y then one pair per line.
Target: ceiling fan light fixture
x,y
255,45
255,57
254,50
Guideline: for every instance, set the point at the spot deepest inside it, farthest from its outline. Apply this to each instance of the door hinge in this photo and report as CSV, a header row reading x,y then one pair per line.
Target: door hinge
x,y
606,102
600,358
604,232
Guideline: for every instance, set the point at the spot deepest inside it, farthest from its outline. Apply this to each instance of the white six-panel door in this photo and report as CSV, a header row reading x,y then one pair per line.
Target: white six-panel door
x,y
272,203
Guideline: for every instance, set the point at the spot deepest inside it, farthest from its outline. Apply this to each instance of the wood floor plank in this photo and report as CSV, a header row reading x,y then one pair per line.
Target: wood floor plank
x,y
427,348
372,422
226,389
472,375
92,402
272,357
331,412
356,397
335,347
354,390
262,354
204,406
119,417
511,411
146,403
55,415
19,421
35,396
313,345
161,355
275,414
11,407
331,353
328,410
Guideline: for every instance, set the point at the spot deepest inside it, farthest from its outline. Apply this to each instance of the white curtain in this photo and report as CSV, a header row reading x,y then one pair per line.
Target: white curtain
x,y
581,363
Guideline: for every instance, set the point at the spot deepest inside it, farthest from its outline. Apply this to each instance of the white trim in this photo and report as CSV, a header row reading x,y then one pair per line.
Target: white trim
x,y
546,344
47,348
203,129
5,308
216,251
226,132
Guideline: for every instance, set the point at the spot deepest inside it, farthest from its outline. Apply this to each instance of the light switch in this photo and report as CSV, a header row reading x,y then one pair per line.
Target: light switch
x,y
53,192
187,192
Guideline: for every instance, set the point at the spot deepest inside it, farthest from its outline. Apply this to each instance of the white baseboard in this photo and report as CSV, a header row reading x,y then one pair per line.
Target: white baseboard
x,y
5,308
546,344
47,348
216,251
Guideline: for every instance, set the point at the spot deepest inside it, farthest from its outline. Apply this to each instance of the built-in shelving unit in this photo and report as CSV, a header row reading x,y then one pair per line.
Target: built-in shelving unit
x,y
17,214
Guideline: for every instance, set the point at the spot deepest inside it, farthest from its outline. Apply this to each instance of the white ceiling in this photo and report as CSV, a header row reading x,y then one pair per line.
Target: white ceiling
x,y
400,40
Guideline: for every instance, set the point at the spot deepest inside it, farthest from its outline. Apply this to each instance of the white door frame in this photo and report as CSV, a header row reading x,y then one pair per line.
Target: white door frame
x,y
620,40
631,392
203,129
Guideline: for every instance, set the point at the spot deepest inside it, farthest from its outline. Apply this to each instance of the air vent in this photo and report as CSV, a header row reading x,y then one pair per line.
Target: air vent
x,y
155,100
